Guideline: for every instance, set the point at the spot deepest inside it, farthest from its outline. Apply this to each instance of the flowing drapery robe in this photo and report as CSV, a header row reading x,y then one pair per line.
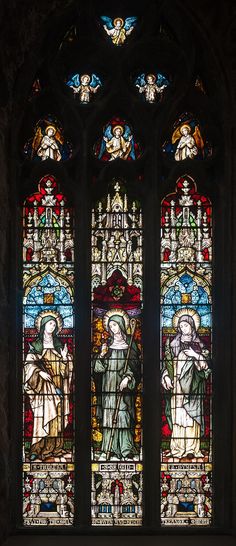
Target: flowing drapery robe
x,y
112,369
186,148
49,149
49,400
118,147
118,36
184,405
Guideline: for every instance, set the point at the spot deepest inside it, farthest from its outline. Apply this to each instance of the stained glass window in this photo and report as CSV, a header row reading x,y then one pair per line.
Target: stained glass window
x,y
116,395
116,83
48,349
186,321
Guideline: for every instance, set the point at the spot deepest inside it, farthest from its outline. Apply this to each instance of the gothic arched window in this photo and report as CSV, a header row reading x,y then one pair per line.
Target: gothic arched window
x,y
121,348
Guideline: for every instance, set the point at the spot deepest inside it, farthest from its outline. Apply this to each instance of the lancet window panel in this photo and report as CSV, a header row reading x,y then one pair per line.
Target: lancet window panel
x,y
116,397
186,348
48,354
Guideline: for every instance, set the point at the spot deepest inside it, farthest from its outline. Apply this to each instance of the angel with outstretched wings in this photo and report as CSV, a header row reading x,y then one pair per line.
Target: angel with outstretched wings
x,y
118,29
84,86
151,85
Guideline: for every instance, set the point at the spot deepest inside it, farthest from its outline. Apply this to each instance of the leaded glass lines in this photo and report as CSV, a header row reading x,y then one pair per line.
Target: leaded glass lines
x,y
186,333
116,397
48,351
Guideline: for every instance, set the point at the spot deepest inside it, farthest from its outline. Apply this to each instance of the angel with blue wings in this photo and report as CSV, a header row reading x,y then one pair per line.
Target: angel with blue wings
x,y
84,85
117,143
151,85
118,29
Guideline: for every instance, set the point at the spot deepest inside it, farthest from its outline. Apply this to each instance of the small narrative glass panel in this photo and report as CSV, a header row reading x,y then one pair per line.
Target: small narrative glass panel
x,y
186,337
116,386
118,29
48,349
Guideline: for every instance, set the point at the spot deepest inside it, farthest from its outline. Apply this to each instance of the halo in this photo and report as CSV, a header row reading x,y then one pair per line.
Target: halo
x,y
113,312
191,313
53,314
51,127
118,127
85,76
151,75
185,125
118,19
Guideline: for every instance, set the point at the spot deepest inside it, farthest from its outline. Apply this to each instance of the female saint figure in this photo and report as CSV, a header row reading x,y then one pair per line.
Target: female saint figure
x,y
118,366
48,374
185,372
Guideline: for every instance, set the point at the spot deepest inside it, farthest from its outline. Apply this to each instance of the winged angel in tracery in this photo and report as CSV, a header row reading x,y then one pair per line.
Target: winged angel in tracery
x,y
84,86
118,29
187,141
48,142
117,142
151,86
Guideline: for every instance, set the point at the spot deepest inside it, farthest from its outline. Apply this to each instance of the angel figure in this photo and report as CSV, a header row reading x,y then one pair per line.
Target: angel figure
x,y
46,146
188,144
118,29
84,85
151,85
117,143
48,142
187,141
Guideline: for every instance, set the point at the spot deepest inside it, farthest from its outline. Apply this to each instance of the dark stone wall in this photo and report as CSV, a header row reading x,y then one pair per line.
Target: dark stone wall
x,y
24,27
